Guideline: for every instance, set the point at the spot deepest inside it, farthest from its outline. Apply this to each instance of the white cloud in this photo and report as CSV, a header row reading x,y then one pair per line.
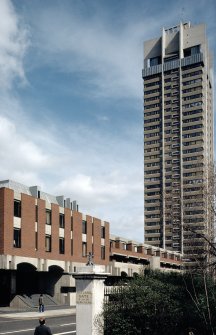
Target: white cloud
x,y
110,55
101,189
102,118
13,45
103,185
116,198
18,153
111,61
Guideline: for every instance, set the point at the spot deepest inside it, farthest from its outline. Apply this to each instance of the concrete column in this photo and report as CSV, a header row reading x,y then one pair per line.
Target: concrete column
x,y
89,298
155,262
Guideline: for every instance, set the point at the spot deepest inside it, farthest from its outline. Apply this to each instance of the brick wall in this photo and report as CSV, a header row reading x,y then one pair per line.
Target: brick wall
x,y
67,212
28,225
55,232
7,211
107,243
28,236
97,240
41,228
2,190
77,237
89,234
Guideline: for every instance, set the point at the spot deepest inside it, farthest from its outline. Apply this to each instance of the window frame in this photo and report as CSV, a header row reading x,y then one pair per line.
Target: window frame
x,y
17,239
17,208
48,247
61,245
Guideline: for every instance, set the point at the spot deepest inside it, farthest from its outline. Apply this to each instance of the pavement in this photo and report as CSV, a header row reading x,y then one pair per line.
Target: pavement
x,y
7,313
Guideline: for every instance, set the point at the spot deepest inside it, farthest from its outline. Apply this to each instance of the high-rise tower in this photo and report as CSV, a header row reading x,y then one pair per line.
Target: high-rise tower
x,y
178,139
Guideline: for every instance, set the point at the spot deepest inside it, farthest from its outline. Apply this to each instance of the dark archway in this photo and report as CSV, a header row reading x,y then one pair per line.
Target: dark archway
x,y
26,279
56,269
54,274
26,267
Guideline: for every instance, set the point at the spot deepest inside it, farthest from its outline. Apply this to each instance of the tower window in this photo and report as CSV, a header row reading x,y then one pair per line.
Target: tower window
x,y
154,61
192,51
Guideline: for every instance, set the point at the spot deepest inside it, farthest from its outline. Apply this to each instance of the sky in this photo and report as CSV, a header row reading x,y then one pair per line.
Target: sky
x,y
71,98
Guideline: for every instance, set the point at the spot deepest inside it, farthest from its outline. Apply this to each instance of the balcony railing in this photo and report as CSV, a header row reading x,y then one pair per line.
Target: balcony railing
x,y
149,71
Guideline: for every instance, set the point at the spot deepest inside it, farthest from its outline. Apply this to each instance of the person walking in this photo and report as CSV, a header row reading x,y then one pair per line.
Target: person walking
x,y
41,303
42,329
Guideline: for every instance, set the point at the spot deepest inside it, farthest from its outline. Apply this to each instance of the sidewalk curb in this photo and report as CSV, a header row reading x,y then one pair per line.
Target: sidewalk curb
x,y
33,315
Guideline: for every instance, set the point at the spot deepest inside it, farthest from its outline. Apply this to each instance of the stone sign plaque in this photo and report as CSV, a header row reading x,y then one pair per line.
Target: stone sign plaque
x,y
84,298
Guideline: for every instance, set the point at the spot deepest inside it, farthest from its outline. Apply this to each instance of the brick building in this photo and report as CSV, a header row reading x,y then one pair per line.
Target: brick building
x,y
44,238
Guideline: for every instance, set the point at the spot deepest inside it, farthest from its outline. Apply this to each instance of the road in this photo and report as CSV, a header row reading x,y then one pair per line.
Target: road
x,y
59,325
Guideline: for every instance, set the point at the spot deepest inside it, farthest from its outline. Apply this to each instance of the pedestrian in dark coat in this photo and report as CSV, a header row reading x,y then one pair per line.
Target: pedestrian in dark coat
x,y
42,329
41,303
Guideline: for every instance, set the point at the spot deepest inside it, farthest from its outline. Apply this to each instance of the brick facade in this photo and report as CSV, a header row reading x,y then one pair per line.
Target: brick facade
x,y
1,220
6,224
29,226
79,234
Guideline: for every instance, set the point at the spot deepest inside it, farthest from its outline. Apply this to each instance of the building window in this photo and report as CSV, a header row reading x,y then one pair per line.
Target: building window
x,y
61,245
48,243
84,249
84,227
71,246
102,252
61,220
36,240
154,61
102,232
36,213
17,208
192,51
48,217
17,238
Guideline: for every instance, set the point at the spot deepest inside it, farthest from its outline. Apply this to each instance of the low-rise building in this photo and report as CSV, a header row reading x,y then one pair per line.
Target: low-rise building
x,y
132,257
44,238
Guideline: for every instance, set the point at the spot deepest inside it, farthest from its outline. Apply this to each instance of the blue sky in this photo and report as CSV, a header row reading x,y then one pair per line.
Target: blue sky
x,y
71,98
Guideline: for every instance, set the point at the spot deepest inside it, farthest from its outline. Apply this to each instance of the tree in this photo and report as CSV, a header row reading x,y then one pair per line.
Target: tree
x,y
161,303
